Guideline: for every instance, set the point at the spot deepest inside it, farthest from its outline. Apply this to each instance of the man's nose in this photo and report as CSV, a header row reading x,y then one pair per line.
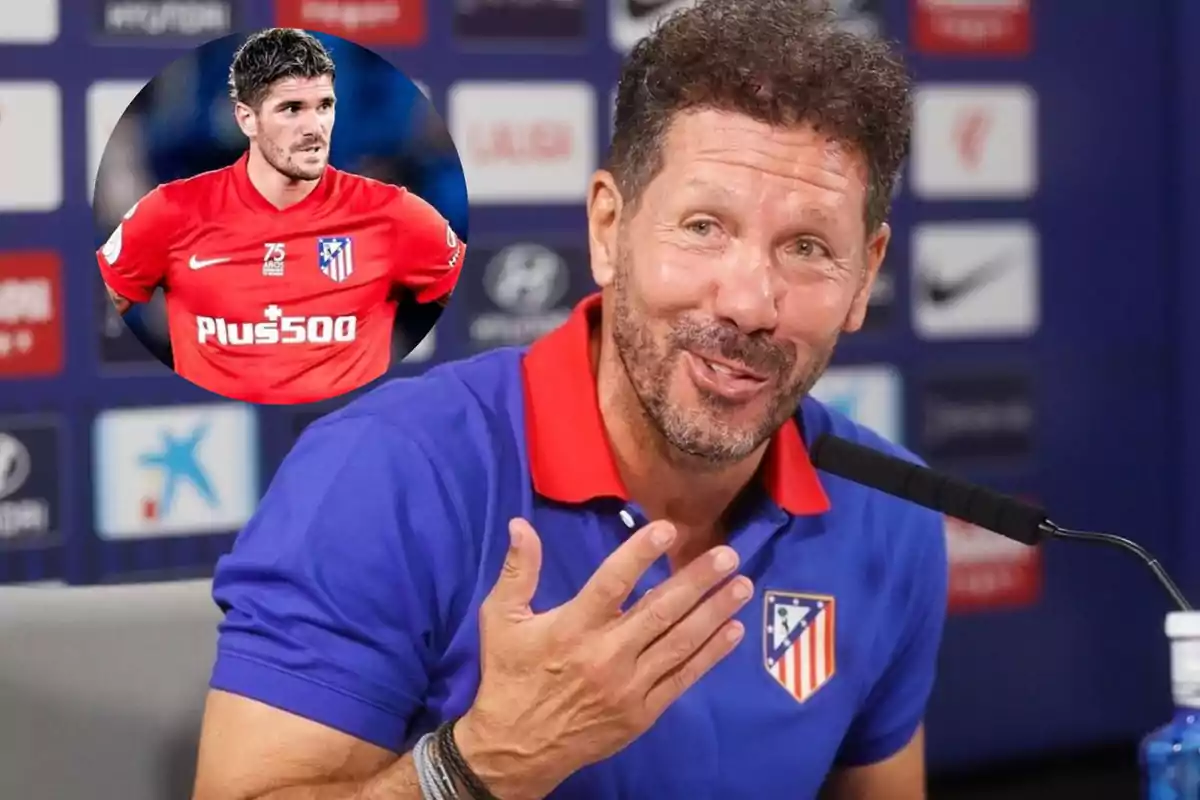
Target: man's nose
x,y
310,123
745,292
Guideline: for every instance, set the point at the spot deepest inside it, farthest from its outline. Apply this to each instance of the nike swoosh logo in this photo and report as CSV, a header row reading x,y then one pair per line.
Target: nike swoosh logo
x,y
640,9
196,263
941,292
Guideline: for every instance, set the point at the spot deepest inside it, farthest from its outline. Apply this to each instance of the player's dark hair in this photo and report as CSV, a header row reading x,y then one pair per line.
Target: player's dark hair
x,y
272,55
783,62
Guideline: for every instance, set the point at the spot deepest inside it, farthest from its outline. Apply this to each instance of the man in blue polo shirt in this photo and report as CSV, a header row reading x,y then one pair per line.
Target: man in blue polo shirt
x,y
604,566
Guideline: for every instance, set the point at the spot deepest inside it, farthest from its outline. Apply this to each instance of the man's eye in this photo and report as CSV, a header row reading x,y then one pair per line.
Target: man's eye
x,y
701,226
809,248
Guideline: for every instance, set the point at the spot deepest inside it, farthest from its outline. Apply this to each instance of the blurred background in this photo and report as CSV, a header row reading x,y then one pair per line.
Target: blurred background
x,y
181,124
1034,330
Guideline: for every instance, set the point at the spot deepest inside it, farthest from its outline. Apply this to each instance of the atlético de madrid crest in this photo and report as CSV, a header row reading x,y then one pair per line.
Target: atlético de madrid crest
x,y
335,256
799,641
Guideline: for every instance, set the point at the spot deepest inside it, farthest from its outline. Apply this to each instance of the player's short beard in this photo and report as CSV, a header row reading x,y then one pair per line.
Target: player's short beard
x,y
702,432
277,157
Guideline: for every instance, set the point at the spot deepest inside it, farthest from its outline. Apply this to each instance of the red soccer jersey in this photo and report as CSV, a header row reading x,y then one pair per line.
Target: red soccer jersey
x,y
281,306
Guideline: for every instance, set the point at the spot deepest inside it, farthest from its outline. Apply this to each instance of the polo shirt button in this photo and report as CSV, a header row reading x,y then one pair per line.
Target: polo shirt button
x,y
627,518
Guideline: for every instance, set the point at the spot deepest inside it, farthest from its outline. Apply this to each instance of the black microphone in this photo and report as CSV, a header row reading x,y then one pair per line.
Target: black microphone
x,y
1020,521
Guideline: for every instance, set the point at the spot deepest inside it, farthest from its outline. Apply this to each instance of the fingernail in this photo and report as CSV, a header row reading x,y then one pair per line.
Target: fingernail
x,y
742,589
663,535
725,559
734,632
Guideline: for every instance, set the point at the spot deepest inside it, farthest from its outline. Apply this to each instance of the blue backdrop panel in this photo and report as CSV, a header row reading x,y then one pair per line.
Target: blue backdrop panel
x,y
1185,149
1088,663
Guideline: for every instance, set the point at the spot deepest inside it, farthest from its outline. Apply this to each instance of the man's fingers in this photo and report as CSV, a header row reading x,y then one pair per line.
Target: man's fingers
x,y
658,611
689,635
676,682
606,591
518,579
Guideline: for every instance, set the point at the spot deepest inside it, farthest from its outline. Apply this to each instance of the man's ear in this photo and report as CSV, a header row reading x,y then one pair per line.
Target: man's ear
x,y
875,251
604,208
246,119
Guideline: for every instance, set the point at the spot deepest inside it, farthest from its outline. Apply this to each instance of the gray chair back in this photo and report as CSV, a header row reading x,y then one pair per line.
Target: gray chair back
x,y
102,689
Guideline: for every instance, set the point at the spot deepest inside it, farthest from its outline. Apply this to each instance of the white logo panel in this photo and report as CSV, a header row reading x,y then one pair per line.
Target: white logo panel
x,y
30,145
175,471
975,280
869,394
29,22
974,142
106,102
525,142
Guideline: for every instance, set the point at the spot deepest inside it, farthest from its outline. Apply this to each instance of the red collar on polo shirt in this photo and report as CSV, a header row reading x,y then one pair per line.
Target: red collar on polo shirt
x,y
254,199
569,453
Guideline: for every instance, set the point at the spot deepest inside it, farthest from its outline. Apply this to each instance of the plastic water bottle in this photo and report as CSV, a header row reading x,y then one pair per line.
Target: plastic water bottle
x,y
1170,756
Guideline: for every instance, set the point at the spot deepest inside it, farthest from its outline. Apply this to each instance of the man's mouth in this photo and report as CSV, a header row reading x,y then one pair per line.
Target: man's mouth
x,y
725,378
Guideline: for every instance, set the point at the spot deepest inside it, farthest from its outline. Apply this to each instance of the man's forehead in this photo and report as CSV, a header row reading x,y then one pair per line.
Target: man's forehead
x,y
700,148
709,130
300,88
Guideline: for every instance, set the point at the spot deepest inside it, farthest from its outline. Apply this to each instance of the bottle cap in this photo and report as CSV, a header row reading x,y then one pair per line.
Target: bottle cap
x,y
1183,625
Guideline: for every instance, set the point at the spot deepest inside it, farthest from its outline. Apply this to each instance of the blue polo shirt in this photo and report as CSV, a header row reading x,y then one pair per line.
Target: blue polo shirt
x,y
351,597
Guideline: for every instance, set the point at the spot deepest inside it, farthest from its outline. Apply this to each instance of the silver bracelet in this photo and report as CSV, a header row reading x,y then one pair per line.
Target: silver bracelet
x,y
441,776
426,775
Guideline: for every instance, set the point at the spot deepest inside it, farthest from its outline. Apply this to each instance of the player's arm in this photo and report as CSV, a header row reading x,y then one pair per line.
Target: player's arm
x,y
123,304
430,253
331,620
883,755
133,262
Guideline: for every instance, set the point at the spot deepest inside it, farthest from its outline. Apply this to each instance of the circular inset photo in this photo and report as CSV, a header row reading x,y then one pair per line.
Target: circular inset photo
x,y
284,216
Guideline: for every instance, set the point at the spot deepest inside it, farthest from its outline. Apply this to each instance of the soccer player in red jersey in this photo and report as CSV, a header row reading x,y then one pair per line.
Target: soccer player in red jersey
x,y
281,273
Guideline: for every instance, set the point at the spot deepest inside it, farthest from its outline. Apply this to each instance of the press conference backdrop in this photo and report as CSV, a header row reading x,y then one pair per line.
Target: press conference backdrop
x,y
1031,330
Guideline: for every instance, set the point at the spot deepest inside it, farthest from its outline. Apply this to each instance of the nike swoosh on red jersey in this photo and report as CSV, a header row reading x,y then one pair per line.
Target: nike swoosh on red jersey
x,y
196,263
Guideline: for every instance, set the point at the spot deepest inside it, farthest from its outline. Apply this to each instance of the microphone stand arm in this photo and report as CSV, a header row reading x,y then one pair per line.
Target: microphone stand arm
x,y
1056,532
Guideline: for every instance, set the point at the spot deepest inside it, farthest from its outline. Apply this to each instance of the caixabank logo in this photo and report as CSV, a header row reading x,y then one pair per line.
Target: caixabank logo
x,y
174,470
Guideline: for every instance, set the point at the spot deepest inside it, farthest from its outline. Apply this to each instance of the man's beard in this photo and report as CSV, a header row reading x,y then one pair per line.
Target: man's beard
x,y
702,432
278,159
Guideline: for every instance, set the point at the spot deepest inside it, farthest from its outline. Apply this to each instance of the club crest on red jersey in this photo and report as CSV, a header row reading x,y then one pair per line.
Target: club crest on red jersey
x,y
799,641
335,256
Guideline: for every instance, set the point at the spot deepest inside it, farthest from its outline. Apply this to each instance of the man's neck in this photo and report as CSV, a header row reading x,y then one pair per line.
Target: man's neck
x,y
278,189
666,483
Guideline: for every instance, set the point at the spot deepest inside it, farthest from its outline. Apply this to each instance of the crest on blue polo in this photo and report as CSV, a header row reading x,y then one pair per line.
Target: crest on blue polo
x,y
335,256
798,639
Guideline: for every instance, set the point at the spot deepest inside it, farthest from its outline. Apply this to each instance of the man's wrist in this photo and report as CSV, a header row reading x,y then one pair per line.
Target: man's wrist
x,y
508,773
